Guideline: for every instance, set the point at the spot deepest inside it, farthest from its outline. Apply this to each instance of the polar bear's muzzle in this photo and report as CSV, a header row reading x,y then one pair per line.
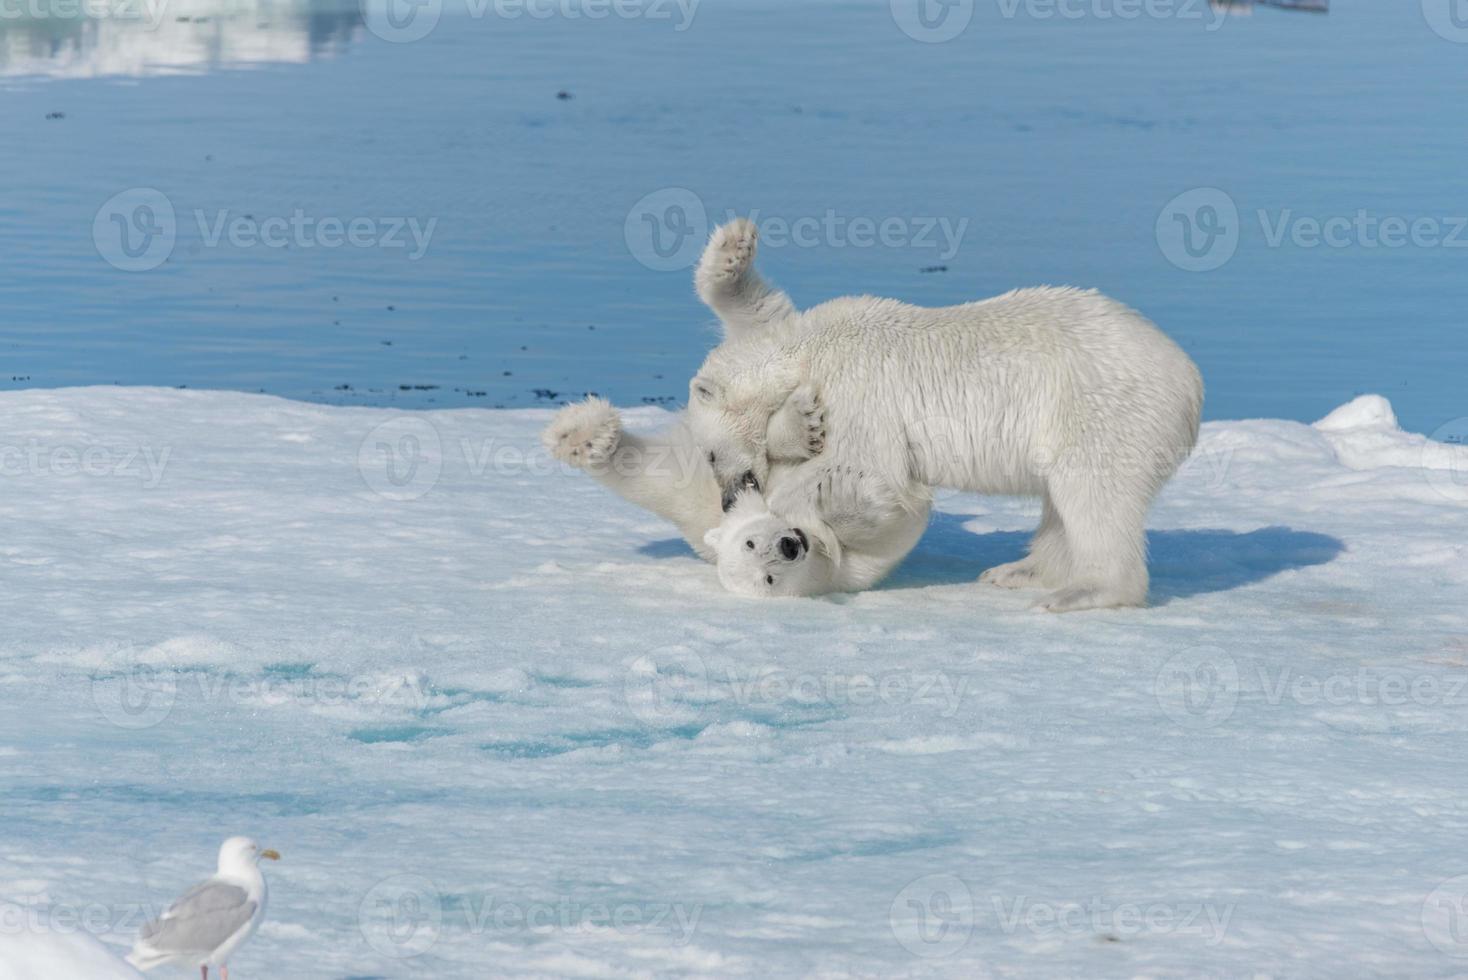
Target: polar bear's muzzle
x,y
732,491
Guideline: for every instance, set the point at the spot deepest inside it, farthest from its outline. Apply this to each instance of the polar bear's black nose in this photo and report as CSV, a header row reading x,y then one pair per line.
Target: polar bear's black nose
x,y
790,547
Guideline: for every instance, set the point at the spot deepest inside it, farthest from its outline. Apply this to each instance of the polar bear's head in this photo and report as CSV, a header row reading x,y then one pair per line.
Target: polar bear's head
x,y
761,554
730,403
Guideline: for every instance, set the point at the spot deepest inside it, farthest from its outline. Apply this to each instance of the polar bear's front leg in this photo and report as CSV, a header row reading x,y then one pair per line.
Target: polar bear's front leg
x,y
584,435
727,282
664,472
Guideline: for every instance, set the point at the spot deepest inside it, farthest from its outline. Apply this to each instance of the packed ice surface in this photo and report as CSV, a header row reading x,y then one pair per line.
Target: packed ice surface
x,y
499,722
33,954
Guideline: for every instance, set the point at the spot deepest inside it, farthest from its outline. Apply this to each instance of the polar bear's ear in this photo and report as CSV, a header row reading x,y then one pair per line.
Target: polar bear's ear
x,y
714,538
706,390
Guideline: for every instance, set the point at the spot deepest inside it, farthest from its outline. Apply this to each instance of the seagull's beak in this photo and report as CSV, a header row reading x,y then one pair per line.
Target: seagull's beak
x,y
272,855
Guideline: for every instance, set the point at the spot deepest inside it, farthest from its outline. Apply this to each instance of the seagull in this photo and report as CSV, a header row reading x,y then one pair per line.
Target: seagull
x,y
212,919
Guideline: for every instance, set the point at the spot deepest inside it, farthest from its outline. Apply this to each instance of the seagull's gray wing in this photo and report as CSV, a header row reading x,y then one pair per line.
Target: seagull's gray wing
x,y
200,921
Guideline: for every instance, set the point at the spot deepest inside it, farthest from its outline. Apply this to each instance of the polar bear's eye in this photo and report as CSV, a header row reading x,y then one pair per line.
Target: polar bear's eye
x,y
749,545
711,459
769,580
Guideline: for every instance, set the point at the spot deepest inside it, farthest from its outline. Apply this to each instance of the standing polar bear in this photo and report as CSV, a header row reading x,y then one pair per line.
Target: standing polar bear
x,y
1058,393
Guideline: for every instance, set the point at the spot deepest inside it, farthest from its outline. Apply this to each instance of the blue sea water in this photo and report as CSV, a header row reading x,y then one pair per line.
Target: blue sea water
x,y
559,172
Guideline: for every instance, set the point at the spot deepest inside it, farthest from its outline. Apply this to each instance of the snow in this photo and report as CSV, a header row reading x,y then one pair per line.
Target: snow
x,y
33,954
519,726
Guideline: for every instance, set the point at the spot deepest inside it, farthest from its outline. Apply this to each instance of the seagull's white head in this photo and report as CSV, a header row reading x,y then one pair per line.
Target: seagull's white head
x,y
240,853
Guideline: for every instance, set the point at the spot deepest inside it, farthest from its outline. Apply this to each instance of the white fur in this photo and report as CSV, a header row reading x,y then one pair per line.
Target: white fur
x,y
1054,392
850,547
858,529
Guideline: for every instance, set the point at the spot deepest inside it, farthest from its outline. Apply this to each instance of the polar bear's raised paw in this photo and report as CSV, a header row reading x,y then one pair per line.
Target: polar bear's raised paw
x,y
584,434
729,255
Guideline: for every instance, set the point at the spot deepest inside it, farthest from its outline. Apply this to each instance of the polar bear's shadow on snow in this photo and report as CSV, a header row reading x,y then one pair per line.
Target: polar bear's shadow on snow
x,y
1183,563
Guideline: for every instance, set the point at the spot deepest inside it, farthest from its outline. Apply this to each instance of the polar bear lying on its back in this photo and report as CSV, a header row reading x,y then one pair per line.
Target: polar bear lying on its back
x,y
837,535
802,528
1058,393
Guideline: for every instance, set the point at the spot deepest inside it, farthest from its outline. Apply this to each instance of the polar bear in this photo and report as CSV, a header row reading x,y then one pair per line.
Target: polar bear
x,y
1058,393
825,532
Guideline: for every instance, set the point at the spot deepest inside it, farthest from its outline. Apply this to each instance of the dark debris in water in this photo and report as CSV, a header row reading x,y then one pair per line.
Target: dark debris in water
x,y
933,268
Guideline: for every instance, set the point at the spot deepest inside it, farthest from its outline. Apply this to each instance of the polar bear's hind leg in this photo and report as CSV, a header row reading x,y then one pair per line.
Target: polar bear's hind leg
x,y
727,282
1106,539
1046,566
